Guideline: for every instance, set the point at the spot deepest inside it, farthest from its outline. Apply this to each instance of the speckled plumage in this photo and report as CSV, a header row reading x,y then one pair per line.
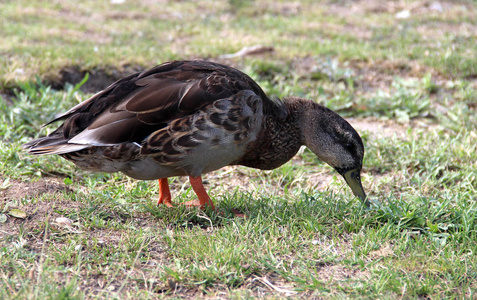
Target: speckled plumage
x,y
186,118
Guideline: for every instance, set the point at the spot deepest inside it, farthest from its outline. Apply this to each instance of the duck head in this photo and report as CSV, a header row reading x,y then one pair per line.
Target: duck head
x,y
332,139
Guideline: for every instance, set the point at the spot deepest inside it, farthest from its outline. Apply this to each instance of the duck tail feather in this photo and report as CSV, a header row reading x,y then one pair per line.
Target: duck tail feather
x,y
51,145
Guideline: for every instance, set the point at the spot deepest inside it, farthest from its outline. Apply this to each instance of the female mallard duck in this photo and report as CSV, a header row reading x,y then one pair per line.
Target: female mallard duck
x,y
187,118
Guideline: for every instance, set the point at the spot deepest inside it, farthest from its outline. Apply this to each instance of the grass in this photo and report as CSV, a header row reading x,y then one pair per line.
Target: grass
x,y
410,81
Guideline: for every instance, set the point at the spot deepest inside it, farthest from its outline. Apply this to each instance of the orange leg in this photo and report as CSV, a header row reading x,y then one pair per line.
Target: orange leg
x,y
164,193
204,199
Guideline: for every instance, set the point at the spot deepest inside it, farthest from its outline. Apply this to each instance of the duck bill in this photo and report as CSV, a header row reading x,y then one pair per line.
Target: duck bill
x,y
353,179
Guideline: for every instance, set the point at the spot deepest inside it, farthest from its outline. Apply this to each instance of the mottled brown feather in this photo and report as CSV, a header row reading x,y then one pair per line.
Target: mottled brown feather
x,y
157,96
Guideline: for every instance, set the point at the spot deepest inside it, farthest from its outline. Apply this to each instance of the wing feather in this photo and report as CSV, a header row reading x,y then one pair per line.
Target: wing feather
x,y
132,108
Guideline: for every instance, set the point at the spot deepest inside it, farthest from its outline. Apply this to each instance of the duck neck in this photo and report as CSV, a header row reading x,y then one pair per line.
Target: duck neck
x,y
278,141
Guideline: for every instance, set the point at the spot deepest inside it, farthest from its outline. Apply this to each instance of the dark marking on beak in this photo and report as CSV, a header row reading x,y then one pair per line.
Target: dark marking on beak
x,y
353,179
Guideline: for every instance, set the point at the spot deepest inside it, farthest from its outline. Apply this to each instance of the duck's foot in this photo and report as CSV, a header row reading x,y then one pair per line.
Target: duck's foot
x,y
164,193
168,204
203,198
202,202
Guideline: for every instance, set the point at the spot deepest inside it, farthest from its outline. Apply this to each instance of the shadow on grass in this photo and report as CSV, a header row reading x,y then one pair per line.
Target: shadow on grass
x,y
320,212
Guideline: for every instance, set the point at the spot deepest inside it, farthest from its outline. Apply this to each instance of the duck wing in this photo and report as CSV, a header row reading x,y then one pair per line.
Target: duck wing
x,y
132,108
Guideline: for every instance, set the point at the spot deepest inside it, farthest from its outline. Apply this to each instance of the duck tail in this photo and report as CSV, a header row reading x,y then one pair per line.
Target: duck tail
x,y
52,145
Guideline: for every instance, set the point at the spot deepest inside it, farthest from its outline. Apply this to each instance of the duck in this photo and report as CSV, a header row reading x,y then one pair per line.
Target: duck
x,y
191,117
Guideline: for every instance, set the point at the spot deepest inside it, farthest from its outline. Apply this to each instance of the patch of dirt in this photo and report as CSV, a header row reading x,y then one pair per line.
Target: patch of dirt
x,y
368,76
385,251
33,226
363,7
320,181
327,272
16,190
374,75
284,8
356,30
463,29
377,128
231,177
332,273
36,213
329,247
98,79
7,97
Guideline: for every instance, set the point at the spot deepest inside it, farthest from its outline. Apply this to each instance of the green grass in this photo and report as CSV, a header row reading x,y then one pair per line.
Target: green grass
x,y
304,235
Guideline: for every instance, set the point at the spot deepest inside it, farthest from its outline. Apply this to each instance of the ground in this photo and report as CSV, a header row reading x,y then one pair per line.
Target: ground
x,y
403,73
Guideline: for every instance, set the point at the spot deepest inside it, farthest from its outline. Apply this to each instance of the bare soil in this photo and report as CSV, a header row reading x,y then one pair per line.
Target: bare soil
x,y
98,79
17,190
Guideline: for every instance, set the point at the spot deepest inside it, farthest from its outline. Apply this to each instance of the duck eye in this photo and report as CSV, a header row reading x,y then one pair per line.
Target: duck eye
x,y
351,147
